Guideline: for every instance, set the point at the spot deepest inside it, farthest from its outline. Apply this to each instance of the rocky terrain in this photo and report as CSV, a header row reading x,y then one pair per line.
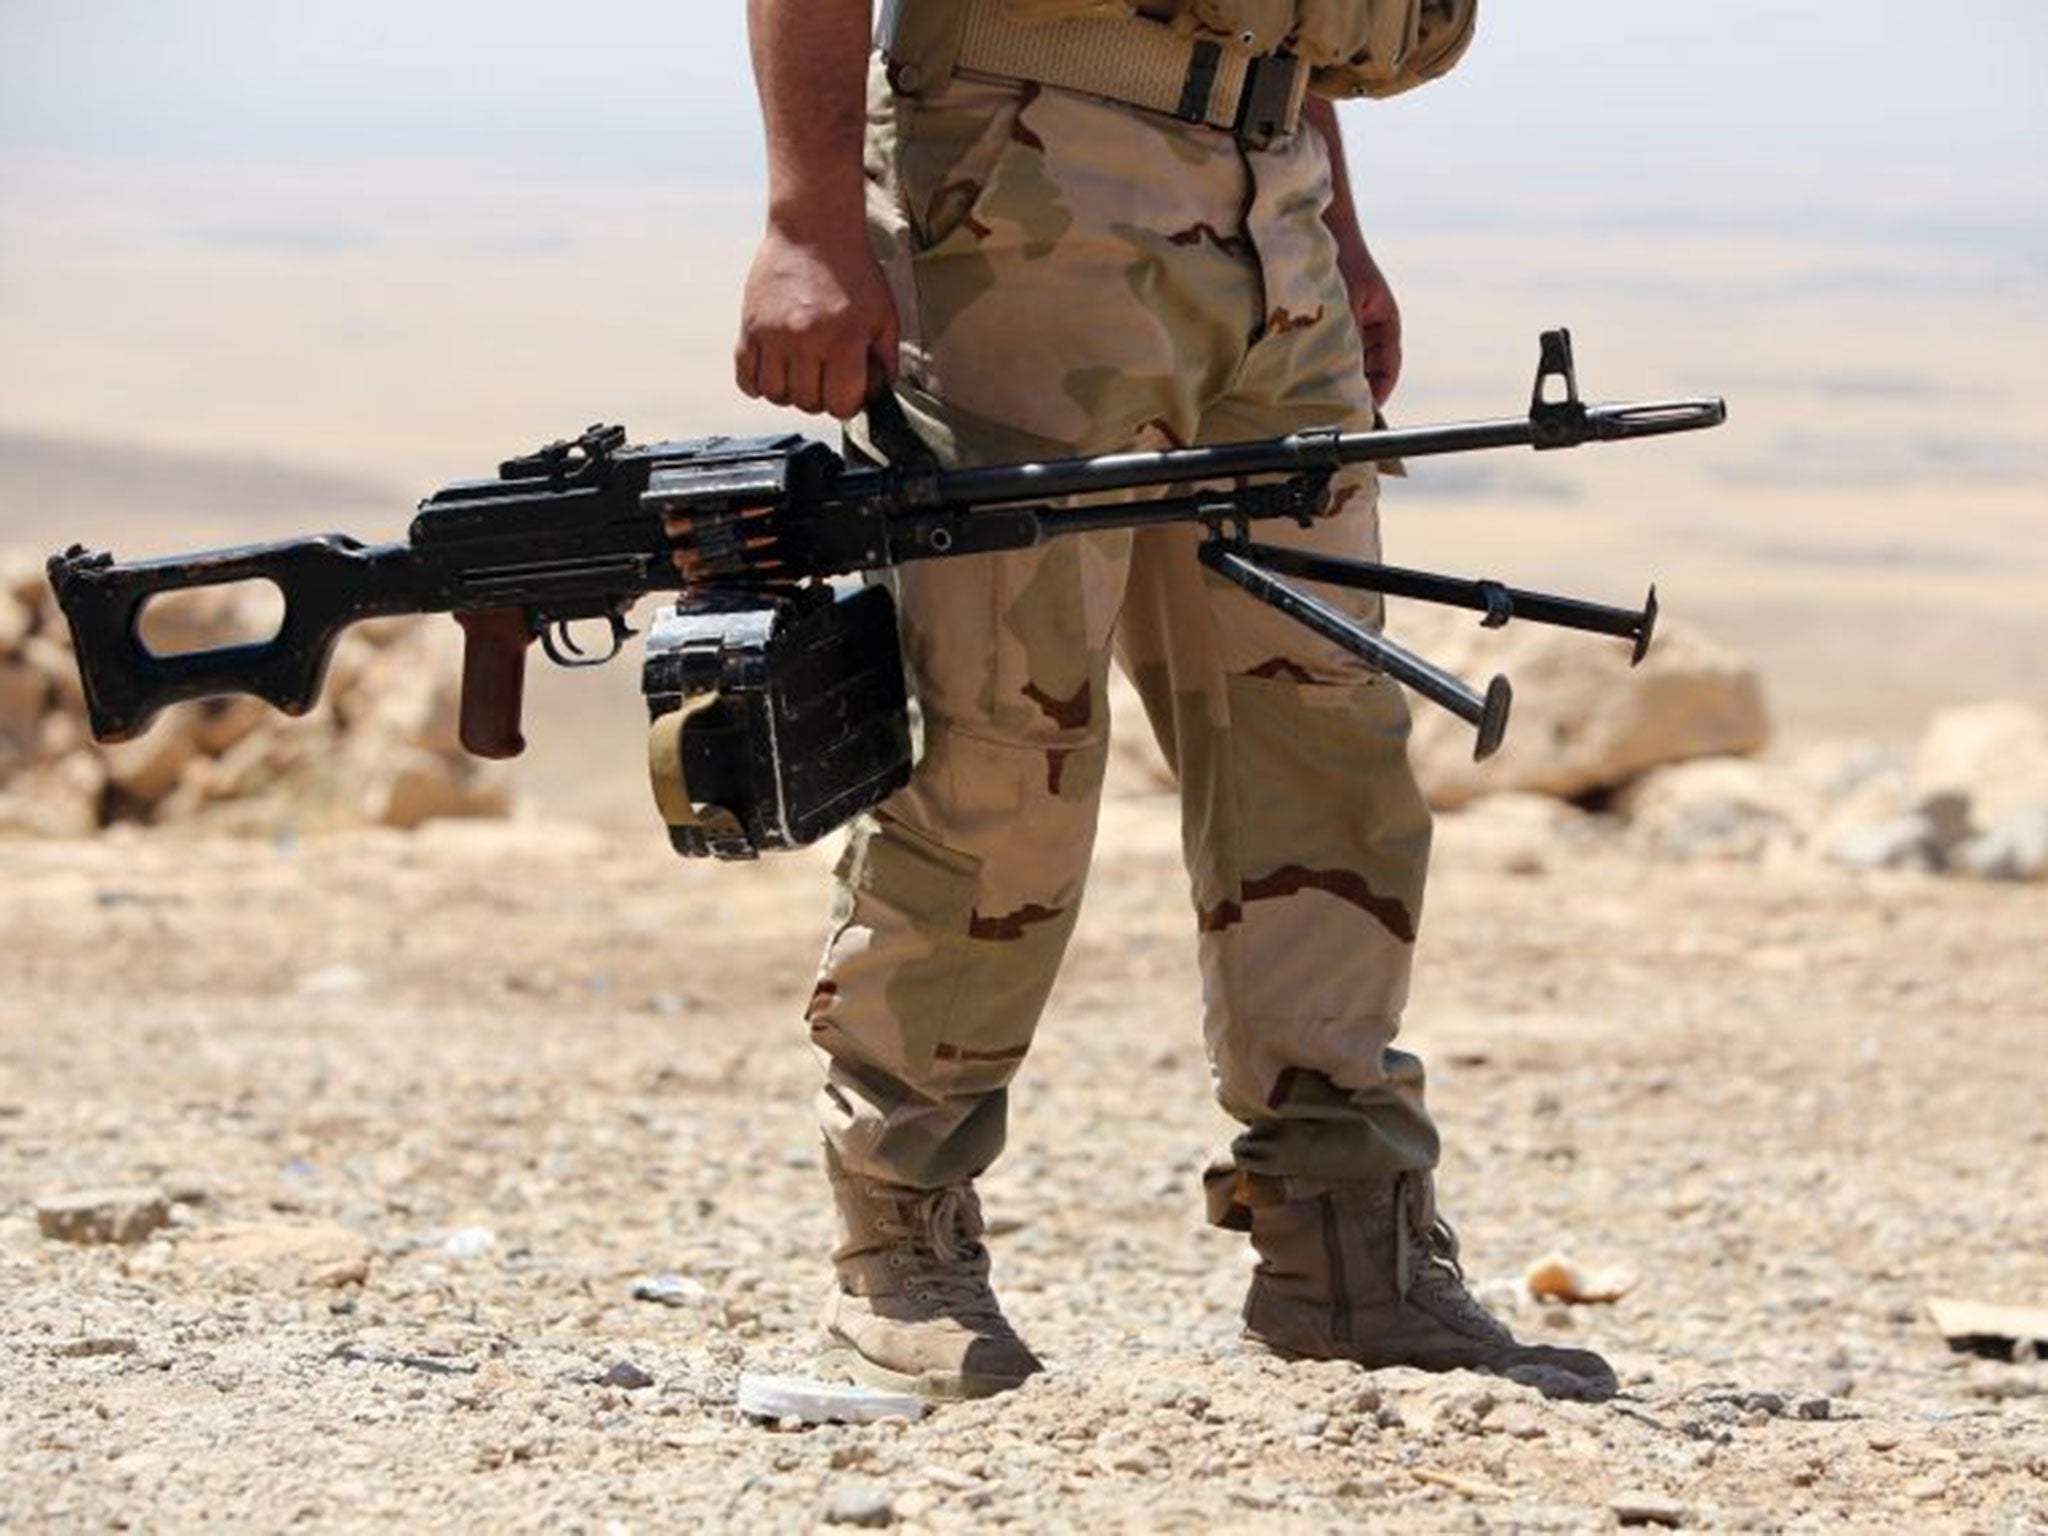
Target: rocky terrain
x,y
380,751
378,1135
1672,755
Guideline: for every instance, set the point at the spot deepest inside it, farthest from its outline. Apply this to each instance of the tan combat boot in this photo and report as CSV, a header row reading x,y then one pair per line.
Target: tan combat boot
x,y
1368,1272
913,1310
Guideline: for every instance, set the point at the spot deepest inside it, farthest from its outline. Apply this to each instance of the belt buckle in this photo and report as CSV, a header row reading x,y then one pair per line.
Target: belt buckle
x,y
1266,109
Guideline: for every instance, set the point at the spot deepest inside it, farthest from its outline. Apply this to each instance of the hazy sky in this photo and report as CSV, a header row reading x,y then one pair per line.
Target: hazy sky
x,y
1871,105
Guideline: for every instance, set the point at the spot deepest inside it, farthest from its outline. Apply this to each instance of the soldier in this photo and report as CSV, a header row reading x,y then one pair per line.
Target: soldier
x,y
1067,227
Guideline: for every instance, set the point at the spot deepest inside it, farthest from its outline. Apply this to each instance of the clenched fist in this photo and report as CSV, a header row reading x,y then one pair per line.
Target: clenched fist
x,y
816,321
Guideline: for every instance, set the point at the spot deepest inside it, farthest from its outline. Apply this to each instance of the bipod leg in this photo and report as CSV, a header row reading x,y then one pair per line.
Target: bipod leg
x,y
1499,603
1488,712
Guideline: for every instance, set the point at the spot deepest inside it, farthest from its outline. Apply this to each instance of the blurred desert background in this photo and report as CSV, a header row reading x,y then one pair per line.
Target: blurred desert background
x,y
409,1117
259,278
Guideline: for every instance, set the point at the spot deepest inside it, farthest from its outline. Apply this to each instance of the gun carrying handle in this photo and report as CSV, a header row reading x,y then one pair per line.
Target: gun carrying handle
x,y
493,679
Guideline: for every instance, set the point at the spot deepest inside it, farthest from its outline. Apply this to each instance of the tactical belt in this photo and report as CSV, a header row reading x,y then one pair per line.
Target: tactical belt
x,y
1144,64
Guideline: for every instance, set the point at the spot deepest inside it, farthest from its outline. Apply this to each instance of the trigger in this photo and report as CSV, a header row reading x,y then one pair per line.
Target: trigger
x,y
559,641
621,633
562,649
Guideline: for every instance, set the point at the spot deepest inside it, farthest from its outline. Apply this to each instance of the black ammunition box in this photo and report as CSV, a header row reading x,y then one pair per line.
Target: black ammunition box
x,y
773,718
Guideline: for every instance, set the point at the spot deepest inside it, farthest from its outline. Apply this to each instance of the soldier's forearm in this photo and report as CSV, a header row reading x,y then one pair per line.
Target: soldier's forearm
x,y
810,66
1342,216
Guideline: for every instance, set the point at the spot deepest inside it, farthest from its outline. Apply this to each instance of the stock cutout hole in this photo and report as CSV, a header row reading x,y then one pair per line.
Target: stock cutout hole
x,y
208,618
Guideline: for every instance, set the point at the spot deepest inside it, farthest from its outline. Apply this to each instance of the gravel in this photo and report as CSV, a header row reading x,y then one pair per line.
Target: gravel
x,y
1796,1103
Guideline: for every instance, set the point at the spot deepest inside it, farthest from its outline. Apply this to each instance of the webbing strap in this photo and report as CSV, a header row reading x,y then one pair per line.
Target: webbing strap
x,y
1139,62
665,770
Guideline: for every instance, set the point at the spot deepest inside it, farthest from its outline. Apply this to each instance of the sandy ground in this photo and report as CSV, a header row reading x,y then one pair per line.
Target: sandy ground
x,y
1796,1108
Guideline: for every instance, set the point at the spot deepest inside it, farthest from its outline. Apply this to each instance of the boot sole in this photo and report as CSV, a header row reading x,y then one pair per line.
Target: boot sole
x,y
1598,1382
936,1386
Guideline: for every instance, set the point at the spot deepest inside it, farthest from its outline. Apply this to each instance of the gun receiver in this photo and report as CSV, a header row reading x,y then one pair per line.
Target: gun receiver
x,y
580,529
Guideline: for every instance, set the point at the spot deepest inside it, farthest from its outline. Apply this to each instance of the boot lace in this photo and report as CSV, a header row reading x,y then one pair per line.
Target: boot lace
x,y
947,1263
1427,1262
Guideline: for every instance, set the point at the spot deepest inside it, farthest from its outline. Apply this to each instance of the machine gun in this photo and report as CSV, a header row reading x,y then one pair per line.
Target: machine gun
x,y
777,699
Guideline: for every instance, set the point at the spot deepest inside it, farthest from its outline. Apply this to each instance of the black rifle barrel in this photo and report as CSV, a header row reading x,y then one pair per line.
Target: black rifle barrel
x,y
1313,451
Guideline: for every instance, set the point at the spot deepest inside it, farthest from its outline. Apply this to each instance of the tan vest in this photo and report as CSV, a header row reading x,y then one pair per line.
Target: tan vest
x,y
1353,47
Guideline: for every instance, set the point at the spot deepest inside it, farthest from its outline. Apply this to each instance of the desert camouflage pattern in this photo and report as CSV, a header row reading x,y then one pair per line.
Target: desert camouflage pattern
x,y
1352,47
1076,277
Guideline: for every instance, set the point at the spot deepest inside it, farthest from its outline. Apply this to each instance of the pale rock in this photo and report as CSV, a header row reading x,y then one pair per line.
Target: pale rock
x,y
195,791
1994,755
341,980
1517,833
408,692
219,724
1855,784
53,659
1719,808
56,799
61,735
23,693
345,664
2016,848
123,1216
1583,721
416,786
301,1253
24,579
466,1243
858,1502
270,815
379,633
203,618
25,814
1836,770
671,1290
252,766
17,619
1907,843
148,768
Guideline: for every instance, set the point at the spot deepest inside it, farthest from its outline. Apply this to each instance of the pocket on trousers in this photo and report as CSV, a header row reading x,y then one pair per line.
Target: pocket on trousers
x,y
951,149
927,882
915,897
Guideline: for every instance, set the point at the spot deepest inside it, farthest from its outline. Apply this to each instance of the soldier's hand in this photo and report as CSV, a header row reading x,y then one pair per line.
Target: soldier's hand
x,y
1379,321
817,314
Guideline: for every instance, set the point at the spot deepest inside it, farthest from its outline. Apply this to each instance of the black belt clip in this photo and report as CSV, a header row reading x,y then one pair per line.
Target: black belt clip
x,y
1265,112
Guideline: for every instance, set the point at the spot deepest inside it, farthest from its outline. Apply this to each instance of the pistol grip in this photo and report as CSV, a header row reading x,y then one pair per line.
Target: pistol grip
x,y
493,679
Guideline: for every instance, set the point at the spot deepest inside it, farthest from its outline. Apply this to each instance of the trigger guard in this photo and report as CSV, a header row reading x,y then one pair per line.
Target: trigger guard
x,y
555,639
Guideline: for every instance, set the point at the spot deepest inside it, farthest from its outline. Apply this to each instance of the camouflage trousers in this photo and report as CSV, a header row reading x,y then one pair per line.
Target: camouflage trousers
x,y
1078,277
